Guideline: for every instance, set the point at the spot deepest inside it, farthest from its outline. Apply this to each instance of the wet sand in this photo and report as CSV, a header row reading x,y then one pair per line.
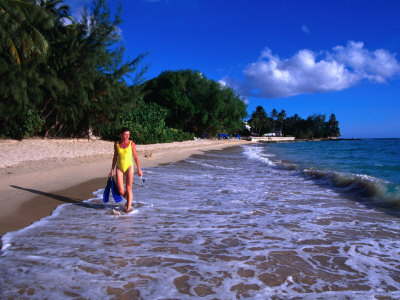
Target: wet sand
x,y
53,172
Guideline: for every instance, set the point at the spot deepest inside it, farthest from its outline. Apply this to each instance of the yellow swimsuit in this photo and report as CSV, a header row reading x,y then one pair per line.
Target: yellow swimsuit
x,y
124,157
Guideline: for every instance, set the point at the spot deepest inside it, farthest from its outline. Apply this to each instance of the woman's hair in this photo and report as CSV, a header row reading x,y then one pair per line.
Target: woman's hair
x,y
123,129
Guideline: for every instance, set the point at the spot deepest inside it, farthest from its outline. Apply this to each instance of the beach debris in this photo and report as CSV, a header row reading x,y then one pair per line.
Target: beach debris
x,y
121,211
147,154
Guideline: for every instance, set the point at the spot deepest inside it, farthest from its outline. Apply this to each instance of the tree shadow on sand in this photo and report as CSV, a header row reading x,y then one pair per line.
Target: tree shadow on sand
x,y
74,201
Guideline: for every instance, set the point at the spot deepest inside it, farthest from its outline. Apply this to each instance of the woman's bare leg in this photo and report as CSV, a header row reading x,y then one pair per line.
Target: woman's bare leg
x,y
119,176
128,185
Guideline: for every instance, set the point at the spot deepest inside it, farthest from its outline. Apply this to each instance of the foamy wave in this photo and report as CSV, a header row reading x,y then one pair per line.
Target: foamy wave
x,y
256,153
209,165
360,184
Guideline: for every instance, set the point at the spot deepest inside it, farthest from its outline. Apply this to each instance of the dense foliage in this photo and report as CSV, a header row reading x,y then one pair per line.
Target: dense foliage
x,y
315,126
196,104
60,77
147,126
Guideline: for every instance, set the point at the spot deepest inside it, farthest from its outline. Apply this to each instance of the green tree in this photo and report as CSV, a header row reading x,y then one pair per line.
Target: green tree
x,y
93,71
313,127
259,121
293,125
65,79
281,118
274,116
22,23
333,127
196,104
147,125
316,123
23,47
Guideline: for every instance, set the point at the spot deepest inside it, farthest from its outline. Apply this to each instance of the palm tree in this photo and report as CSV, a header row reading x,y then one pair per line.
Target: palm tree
x,y
21,26
282,117
57,8
274,115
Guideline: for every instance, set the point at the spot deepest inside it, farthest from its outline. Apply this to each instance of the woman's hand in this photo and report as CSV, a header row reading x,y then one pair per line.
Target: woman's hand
x,y
111,173
140,173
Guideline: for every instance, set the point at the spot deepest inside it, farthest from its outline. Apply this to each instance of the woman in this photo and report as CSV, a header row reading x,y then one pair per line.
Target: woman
x,y
124,149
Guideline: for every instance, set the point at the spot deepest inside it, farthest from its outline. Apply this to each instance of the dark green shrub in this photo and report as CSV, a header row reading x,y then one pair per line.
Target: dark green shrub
x,y
147,126
33,124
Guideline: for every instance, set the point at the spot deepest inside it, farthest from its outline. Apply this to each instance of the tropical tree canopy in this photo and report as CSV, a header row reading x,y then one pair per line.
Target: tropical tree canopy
x,y
315,126
259,121
58,79
195,103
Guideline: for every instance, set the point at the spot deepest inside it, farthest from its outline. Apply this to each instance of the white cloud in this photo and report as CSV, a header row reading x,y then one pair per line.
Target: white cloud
x,y
305,29
375,66
308,72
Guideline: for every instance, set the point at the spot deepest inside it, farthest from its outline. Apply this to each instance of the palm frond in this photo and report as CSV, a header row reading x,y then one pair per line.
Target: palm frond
x,y
13,50
39,41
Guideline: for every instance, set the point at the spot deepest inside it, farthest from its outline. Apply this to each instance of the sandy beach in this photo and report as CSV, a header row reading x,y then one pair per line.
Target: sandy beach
x,y
37,175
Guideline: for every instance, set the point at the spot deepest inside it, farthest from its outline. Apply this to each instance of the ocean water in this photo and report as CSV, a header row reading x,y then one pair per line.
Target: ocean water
x,y
257,221
368,167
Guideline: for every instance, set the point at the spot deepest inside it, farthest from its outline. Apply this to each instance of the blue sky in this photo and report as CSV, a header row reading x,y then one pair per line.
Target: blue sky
x,y
305,57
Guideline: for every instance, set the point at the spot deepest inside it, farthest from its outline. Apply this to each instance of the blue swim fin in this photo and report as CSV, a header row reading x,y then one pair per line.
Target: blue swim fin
x,y
114,190
106,194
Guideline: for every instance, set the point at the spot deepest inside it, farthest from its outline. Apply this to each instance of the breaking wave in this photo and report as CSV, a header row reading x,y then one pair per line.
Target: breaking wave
x,y
256,153
384,193
367,188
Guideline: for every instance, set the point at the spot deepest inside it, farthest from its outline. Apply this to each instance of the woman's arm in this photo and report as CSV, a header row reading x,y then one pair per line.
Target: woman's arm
x,y
135,157
114,161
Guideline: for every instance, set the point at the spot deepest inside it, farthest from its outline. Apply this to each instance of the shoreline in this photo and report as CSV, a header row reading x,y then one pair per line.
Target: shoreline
x,y
26,194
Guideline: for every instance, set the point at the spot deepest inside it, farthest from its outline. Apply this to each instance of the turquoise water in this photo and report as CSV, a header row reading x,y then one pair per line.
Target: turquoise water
x,y
370,161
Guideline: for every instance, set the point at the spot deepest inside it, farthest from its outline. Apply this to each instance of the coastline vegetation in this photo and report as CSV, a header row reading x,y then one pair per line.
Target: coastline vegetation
x,y
315,126
60,77
65,78
196,104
